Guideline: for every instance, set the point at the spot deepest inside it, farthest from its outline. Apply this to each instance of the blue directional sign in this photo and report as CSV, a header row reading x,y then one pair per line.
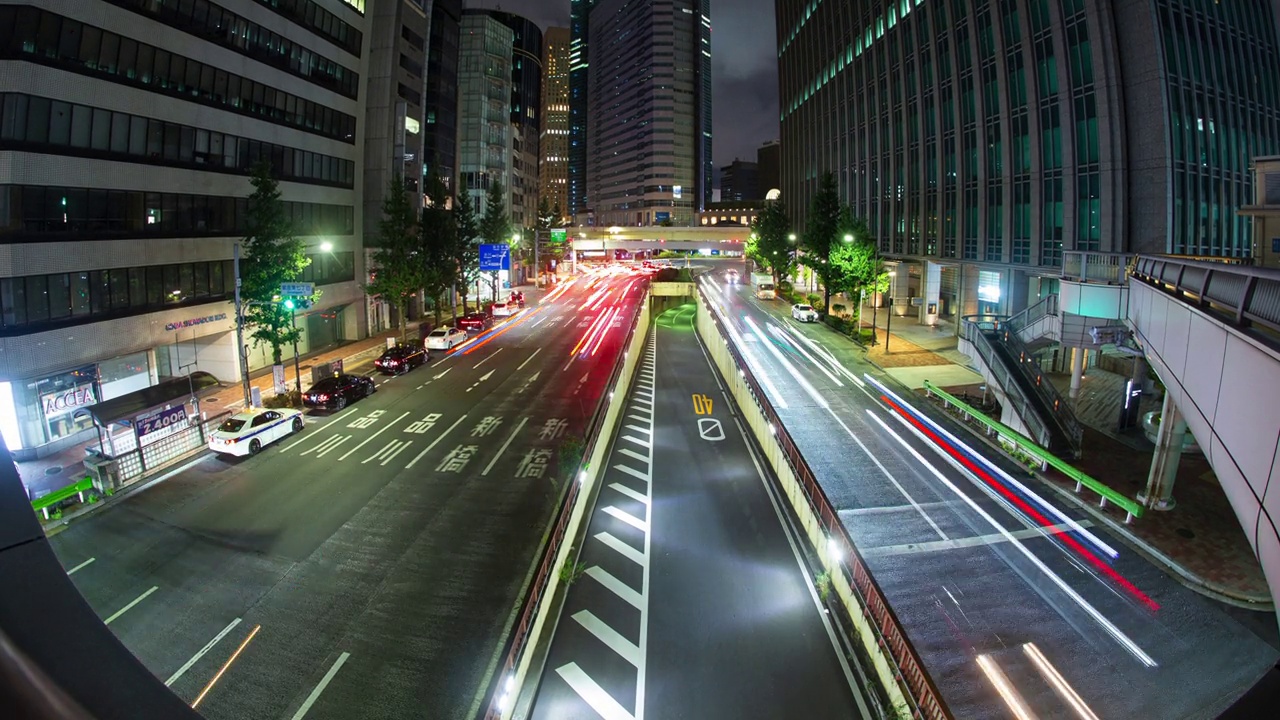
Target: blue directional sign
x,y
495,257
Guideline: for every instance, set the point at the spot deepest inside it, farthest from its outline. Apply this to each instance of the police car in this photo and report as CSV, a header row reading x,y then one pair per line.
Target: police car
x,y
248,432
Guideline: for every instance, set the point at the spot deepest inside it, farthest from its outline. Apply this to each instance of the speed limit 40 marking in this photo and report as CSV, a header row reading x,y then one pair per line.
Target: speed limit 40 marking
x,y
709,428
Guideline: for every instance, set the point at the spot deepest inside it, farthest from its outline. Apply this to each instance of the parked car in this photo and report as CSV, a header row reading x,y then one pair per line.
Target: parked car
x,y
474,322
333,393
503,309
401,359
247,432
445,337
804,313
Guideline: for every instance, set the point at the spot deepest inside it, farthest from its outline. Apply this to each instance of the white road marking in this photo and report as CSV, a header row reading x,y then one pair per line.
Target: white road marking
x,y
642,400
637,417
616,586
440,375
632,472
196,658
81,566
388,452
487,358
637,428
591,693
503,449
888,509
623,549
607,635
483,377
644,391
634,455
526,362
966,542
371,437
628,518
129,607
637,496
638,441
435,442
324,682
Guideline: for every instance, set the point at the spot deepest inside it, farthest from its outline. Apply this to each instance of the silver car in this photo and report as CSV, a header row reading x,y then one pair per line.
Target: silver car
x,y
804,313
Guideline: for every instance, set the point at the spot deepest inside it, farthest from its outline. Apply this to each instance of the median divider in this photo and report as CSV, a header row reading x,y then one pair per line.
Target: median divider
x,y
1009,436
910,691
545,595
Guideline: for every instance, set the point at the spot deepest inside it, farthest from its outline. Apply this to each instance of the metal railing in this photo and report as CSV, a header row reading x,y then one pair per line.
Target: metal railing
x,y
1048,307
1246,295
975,331
133,463
906,664
1084,266
1044,387
555,540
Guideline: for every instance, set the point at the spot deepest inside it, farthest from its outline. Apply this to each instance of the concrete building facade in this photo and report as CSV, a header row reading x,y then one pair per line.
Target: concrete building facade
x,y
484,106
553,167
440,129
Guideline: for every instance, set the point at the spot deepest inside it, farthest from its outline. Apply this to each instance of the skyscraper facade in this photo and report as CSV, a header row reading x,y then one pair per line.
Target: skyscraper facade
x,y
440,129
995,134
740,180
484,106
127,137
649,112
553,170
579,76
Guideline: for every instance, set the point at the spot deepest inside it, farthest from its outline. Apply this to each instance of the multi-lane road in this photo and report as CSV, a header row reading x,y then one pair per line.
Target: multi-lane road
x,y
369,566
1009,595
694,600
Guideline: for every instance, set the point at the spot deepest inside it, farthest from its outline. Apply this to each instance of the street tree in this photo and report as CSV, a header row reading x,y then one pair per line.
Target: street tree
x,y
439,260
273,255
770,244
495,224
465,248
397,272
855,263
821,227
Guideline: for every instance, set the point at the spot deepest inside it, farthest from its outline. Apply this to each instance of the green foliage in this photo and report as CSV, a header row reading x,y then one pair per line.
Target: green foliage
x,y
571,571
815,300
823,584
466,249
437,237
669,254
290,399
838,309
272,256
397,270
495,224
770,244
571,456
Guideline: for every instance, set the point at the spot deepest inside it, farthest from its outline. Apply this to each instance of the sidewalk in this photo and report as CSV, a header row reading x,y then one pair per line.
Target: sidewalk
x,y
1200,541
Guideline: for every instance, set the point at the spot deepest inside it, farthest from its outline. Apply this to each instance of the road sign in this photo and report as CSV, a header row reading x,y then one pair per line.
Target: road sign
x,y
495,257
559,235
297,289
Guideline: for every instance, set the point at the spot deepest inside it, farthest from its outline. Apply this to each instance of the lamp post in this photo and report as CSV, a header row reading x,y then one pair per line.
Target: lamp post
x,y
241,350
515,243
297,369
888,320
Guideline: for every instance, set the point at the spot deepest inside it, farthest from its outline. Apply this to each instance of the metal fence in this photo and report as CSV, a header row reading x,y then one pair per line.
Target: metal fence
x,y
892,639
132,464
1082,266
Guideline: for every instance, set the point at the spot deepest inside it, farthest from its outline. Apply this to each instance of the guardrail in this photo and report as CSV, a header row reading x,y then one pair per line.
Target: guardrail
x,y
1132,508
1048,307
504,692
1085,266
1248,295
976,333
78,488
873,614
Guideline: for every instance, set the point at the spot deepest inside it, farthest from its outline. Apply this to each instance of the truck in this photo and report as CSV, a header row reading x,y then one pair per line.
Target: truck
x,y
763,284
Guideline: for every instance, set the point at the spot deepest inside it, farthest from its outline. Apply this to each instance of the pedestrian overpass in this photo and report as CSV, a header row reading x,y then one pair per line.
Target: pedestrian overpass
x,y
721,240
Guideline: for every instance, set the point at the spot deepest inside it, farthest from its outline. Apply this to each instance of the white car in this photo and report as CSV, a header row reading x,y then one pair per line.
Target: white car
x,y
503,309
445,337
804,313
247,432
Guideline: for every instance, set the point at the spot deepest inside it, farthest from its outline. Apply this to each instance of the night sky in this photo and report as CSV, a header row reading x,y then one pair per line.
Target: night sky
x,y
744,69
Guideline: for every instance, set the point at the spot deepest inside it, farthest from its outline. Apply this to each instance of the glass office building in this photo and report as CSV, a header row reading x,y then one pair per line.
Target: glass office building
x,y
999,133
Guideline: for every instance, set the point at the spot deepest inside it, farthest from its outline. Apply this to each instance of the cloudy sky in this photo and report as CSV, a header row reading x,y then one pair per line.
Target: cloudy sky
x,y
744,69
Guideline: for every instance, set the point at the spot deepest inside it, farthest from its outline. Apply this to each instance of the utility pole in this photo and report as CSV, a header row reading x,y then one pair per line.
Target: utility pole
x,y
240,348
537,268
297,368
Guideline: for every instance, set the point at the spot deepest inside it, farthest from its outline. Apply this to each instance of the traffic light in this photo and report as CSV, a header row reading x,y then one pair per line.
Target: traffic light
x,y
288,304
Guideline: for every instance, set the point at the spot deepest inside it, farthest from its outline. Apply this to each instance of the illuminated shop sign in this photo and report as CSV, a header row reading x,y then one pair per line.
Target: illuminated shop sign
x,y
195,321
60,402
160,423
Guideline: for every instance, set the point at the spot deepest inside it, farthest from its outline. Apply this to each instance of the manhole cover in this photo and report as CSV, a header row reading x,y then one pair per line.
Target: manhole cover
x,y
1185,533
210,400
55,470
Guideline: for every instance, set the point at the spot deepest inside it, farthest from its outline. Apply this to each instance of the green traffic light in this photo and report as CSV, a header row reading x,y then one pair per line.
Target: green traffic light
x,y
288,304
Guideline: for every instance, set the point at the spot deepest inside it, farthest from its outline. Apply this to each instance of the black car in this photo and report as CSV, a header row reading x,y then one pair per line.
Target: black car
x,y
474,322
333,393
401,359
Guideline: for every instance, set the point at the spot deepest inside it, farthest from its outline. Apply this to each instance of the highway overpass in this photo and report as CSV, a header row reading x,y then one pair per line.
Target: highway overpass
x,y
727,240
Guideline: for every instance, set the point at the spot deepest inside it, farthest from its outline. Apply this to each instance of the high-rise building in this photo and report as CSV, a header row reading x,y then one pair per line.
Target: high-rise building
x,y
579,76
553,169
988,137
440,130
526,116
649,112
768,167
129,130
484,105
739,181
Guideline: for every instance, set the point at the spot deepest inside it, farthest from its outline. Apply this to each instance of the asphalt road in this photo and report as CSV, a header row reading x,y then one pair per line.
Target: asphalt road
x,y
369,566
692,602
980,586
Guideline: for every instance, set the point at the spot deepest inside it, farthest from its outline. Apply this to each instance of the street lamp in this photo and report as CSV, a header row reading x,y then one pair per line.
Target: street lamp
x,y
888,321
326,246
848,238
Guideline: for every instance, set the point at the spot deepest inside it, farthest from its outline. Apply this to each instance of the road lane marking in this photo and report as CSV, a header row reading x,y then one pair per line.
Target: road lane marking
x,y
440,375
971,541
510,437
632,472
483,377
487,358
324,682
196,658
637,418
638,441
129,607
634,456
591,693
626,649
615,586
623,549
81,566
642,400
225,665
637,496
888,509
325,445
526,362
388,452
371,437
455,424
628,518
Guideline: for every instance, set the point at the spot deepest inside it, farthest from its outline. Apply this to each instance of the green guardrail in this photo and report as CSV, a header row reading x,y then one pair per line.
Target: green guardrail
x,y
1130,506
44,503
